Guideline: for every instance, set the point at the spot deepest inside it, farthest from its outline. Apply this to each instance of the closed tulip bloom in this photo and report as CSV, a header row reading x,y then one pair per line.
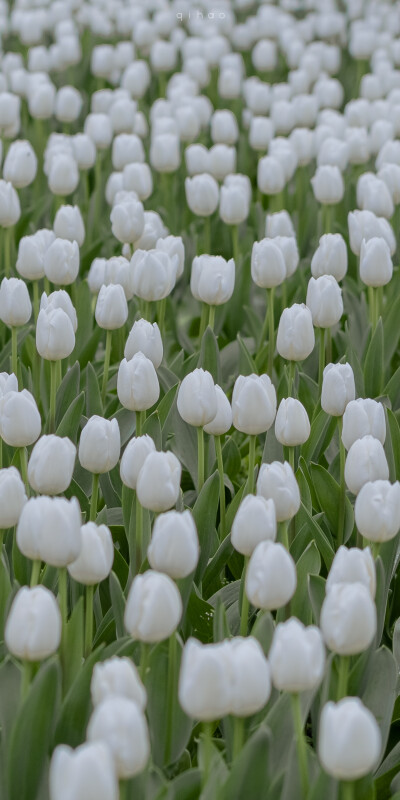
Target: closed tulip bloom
x,y
137,178
158,482
61,262
12,497
33,627
127,148
366,225
222,161
234,206
68,224
288,247
292,425
165,155
20,164
376,267
55,337
279,224
348,618
137,383
224,127
352,565
122,726
49,529
154,607
98,127
31,250
15,304
295,339
174,546
362,417
260,133
338,388
222,421
212,279
366,461
271,577
127,221
277,481
254,522
204,691
253,403
153,274
117,677
270,175
51,464
250,680
133,458
84,151
174,247
111,307
63,174
83,774
377,510
145,337
95,560
296,657
68,104
8,383
350,742
60,299
268,267
10,209
20,422
374,195
324,299
196,399
153,230
330,257
202,194
99,445
328,185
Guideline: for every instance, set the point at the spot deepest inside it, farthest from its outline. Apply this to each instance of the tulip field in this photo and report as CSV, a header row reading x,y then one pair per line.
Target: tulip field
x,y
200,400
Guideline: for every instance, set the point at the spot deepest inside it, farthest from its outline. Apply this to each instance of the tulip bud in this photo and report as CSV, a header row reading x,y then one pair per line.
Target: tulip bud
x,y
270,176
296,657
234,205
249,675
99,445
268,268
174,247
146,338
98,127
295,339
96,556
63,174
15,304
111,307
348,618
165,153
20,164
365,225
328,185
84,151
137,177
277,481
253,403
154,607
362,417
74,774
174,546
153,274
126,149
271,576
376,267
133,458
204,692
137,383
254,522
222,421
68,104
8,383
51,465
330,257
158,481
61,262
212,279
127,221
366,461
324,299
352,565
68,224
279,224
31,250
33,627
196,399
349,743
55,337
202,194
10,210
338,388
12,497
20,421
49,529
288,247
377,510
121,725
292,426
117,677
260,133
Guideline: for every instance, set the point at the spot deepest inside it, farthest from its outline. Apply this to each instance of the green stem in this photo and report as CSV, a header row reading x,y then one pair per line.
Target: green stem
x,y
344,664
300,743
7,251
62,594
161,314
271,329
342,496
138,535
375,548
26,678
144,657
14,351
283,529
140,420
244,614
203,320
263,334
207,235
35,299
220,463
252,463
211,317
170,696
53,395
238,736
321,358
24,468
89,620
292,369
235,244
291,457
327,218
207,750
36,565
200,458
328,348
94,497
107,355
347,792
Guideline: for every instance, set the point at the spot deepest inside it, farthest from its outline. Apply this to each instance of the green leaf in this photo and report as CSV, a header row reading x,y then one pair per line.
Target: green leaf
x,y
209,355
71,420
249,774
74,638
328,493
322,430
322,541
246,362
152,427
316,593
67,391
205,514
31,734
394,440
391,326
5,589
118,604
308,564
94,404
379,694
374,363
